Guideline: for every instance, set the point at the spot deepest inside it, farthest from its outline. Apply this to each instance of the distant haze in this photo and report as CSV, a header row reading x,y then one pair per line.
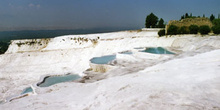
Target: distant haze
x,y
87,14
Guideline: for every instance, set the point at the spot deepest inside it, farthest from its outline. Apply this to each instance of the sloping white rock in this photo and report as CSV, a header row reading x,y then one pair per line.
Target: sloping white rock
x,y
187,83
25,64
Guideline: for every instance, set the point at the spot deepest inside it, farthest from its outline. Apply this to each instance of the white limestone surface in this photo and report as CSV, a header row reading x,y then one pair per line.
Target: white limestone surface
x,y
171,81
181,84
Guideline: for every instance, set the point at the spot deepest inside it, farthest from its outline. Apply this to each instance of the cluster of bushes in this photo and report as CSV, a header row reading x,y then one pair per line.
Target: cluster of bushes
x,y
192,29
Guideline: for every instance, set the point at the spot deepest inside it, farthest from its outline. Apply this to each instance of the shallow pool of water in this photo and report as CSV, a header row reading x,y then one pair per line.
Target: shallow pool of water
x,y
51,80
103,59
27,90
158,50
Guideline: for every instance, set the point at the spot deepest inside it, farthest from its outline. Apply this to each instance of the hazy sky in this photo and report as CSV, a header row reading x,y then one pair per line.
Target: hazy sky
x,y
78,14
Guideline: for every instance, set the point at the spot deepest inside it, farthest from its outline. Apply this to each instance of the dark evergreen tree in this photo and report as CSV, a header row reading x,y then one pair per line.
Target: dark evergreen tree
x,y
182,17
151,21
161,23
203,16
212,17
186,15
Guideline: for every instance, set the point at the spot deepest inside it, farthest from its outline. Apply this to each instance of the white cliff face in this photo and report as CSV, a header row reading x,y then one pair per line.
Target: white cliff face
x,y
27,45
27,60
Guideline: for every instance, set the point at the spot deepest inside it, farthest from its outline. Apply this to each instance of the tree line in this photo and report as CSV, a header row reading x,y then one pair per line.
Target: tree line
x,y
194,29
211,18
153,22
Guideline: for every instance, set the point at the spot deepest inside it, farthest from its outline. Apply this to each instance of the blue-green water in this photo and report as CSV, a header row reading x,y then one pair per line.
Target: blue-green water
x,y
103,59
27,90
158,50
48,81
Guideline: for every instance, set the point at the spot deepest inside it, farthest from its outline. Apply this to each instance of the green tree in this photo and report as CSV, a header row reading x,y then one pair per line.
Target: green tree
x,y
193,29
151,21
161,23
161,32
183,30
216,22
212,17
182,17
186,15
172,30
204,29
216,29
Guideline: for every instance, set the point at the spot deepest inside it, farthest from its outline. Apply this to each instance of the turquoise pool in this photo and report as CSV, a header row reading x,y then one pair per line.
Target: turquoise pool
x,y
157,50
27,90
51,80
103,59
